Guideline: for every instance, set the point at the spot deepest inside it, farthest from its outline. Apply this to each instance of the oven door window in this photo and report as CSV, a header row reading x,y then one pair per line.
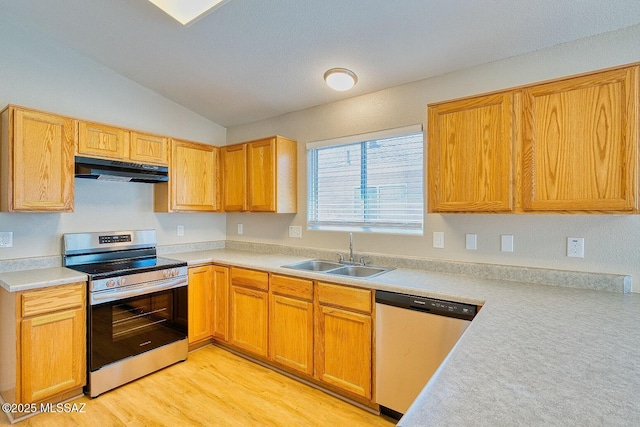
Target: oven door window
x,y
131,326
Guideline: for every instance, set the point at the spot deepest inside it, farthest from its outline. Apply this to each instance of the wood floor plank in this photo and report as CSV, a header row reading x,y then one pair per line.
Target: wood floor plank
x,y
213,387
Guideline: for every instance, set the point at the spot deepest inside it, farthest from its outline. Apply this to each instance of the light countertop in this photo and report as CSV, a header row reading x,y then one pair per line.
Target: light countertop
x,y
534,354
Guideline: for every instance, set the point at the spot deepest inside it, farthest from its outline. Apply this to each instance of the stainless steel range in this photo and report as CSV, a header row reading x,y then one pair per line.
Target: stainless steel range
x,y
137,305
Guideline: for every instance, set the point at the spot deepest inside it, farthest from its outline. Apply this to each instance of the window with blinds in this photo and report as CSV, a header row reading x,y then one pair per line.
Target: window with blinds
x,y
371,182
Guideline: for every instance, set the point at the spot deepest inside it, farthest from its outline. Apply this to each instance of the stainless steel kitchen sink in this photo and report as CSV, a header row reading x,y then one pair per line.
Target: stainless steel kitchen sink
x,y
314,265
360,271
338,269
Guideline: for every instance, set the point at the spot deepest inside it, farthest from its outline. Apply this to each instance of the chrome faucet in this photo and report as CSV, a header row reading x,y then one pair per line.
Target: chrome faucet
x,y
351,248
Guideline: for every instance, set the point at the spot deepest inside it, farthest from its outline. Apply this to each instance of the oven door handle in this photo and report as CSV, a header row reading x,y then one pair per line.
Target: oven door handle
x,y
136,290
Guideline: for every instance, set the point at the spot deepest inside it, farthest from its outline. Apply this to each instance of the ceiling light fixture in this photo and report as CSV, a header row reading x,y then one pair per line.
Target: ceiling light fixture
x,y
186,11
340,79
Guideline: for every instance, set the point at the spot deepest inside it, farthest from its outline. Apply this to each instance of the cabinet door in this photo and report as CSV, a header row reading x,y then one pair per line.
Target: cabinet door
x,y
200,303
234,161
42,162
580,143
291,322
194,176
343,349
470,149
220,302
147,148
52,354
249,311
261,175
98,140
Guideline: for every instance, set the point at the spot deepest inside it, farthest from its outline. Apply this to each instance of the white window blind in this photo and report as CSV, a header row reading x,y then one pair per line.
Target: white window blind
x,y
371,182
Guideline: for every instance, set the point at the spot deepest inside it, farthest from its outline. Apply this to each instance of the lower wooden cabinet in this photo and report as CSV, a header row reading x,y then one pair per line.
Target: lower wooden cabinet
x,y
200,294
220,302
249,311
291,322
343,338
49,359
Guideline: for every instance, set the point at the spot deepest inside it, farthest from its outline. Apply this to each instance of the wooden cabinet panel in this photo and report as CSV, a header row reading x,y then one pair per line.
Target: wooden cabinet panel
x,y
249,320
220,302
580,143
261,175
291,322
104,141
250,278
46,300
470,154
200,294
146,148
234,161
345,297
291,333
194,179
53,354
37,169
343,353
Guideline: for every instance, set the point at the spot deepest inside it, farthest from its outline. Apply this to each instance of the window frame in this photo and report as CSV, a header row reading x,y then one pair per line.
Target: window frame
x,y
405,228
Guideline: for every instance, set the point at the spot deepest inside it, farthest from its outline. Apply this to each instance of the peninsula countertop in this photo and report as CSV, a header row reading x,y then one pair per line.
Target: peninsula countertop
x,y
534,354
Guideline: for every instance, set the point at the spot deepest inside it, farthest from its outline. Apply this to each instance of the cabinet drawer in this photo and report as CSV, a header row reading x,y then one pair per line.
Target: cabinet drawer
x,y
249,278
292,287
345,297
53,299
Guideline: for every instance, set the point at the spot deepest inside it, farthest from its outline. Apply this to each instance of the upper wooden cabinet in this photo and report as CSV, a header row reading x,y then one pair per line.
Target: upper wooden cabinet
x,y
110,142
104,141
147,148
564,146
581,143
36,161
470,155
194,179
234,164
269,183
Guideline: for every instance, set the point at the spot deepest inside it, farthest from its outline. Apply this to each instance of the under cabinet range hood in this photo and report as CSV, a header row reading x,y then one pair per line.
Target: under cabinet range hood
x,y
115,170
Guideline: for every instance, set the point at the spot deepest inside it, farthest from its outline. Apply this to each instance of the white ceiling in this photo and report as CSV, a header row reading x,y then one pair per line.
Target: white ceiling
x,y
253,59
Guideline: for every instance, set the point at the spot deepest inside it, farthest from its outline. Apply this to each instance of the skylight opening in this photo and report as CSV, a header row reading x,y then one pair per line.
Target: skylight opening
x,y
187,11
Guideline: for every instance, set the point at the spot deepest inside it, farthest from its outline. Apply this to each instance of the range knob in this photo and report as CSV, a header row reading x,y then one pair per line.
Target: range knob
x,y
122,281
110,283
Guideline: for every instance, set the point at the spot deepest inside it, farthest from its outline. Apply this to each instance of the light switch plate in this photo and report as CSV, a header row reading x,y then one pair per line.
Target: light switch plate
x,y
6,239
180,230
240,228
506,243
295,231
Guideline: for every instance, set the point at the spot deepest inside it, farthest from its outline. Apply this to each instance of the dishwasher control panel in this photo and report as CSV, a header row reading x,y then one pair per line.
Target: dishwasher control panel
x,y
427,305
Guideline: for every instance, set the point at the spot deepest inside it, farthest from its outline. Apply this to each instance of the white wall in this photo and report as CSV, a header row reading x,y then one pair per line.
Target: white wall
x,y
612,242
39,73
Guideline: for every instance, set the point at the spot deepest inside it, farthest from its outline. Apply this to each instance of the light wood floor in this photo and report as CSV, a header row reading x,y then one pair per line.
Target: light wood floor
x,y
213,387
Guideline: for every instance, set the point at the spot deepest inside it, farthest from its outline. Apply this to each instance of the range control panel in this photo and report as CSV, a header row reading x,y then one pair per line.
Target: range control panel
x,y
114,238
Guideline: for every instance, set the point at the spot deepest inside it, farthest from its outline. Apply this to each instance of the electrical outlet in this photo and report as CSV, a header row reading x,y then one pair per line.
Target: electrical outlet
x,y
6,239
438,239
471,241
180,230
575,247
240,229
295,231
506,242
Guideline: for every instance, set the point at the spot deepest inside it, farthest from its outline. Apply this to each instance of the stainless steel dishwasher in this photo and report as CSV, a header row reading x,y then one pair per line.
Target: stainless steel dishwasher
x,y
413,336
